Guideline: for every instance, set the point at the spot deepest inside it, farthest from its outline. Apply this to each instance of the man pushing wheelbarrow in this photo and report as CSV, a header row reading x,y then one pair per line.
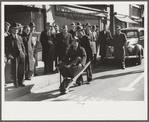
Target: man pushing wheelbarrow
x,y
72,65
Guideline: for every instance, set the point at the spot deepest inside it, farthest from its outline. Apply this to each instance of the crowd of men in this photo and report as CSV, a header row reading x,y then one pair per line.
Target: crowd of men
x,y
76,45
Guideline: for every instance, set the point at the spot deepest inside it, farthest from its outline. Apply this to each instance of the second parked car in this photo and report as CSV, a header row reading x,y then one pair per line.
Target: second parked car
x,y
134,45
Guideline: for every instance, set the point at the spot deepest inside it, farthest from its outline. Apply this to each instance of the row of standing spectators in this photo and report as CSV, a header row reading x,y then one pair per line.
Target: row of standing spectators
x,y
21,51
21,47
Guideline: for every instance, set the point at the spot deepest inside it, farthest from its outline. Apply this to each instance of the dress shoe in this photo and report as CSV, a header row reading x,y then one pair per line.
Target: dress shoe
x,y
79,82
123,67
27,78
89,79
53,72
15,85
22,85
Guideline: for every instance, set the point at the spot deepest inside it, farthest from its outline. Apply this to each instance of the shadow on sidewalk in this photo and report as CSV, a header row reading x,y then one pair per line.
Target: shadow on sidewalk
x,y
119,74
109,65
52,95
12,93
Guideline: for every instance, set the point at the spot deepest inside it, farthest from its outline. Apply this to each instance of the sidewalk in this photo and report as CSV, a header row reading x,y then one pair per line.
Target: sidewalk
x,y
36,83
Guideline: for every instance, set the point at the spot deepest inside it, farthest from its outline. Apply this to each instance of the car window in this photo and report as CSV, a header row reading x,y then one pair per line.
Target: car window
x,y
132,34
141,33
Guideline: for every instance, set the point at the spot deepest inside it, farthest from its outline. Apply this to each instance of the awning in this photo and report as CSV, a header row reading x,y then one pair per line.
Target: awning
x,y
125,19
83,10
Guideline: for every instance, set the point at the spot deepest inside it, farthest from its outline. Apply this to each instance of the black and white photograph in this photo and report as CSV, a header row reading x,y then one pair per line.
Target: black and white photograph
x,y
74,60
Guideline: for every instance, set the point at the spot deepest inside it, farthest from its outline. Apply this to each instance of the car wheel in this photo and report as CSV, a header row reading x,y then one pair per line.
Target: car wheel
x,y
64,85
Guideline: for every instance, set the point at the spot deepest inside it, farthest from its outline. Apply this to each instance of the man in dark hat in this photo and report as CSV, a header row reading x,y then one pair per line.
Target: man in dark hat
x,y
15,52
79,24
119,41
88,31
7,66
47,40
85,43
72,29
103,40
63,42
7,26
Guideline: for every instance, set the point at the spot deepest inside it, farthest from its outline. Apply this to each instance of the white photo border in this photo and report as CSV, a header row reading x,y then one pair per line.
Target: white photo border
x,y
70,110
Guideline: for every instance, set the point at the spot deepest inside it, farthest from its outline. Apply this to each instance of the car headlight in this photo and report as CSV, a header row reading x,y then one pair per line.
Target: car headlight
x,y
130,49
111,50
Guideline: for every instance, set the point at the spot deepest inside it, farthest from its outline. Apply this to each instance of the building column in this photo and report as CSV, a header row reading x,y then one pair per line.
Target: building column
x,y
112,19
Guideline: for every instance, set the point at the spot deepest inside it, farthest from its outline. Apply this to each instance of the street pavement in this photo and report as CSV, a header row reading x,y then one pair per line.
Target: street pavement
x,y
36,83
109,84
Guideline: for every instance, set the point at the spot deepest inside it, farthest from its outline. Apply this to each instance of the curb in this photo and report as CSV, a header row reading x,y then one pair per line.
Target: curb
x,y
37,83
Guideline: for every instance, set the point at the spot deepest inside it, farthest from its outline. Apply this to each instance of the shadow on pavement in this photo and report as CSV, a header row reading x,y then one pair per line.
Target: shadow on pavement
x,y
119,74
109,65
50,95
12,93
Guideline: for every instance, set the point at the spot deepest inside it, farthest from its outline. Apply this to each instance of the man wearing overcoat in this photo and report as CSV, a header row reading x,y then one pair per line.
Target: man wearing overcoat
x,y
104,38
85,43
64,41
119,41
15,52
48,40
29,62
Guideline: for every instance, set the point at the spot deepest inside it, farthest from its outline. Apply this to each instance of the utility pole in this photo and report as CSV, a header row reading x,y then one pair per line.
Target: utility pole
x,y
112,22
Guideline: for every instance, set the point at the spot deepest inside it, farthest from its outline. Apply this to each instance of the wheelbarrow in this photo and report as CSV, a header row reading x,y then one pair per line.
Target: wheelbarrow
x,y
70,75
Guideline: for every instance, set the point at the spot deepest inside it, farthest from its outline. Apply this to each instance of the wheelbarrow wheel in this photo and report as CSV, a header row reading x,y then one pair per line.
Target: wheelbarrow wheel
x,y
64,85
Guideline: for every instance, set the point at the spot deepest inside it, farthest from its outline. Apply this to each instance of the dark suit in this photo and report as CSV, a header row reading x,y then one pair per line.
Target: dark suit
x,y
29,63
73,33
48,50
119,42
85,43
104,39
75,57
15,51
73,54
63,44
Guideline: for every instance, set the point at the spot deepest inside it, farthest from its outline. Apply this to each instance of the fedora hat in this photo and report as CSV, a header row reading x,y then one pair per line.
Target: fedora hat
x,y
118,27
7,24
93,26
32,24
48,24
15,25
80,28
87,24
56,26
20,25
73,24
64,27
79,23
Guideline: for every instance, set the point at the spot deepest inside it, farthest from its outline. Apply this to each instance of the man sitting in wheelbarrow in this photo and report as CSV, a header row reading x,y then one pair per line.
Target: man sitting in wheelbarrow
x,y
74,61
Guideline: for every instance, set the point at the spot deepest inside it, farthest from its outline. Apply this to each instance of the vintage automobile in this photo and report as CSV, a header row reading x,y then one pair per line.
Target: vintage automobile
x,y
134,45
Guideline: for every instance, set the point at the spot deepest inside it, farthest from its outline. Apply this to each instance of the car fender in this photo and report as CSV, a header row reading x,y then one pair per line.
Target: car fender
x,y
138,49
